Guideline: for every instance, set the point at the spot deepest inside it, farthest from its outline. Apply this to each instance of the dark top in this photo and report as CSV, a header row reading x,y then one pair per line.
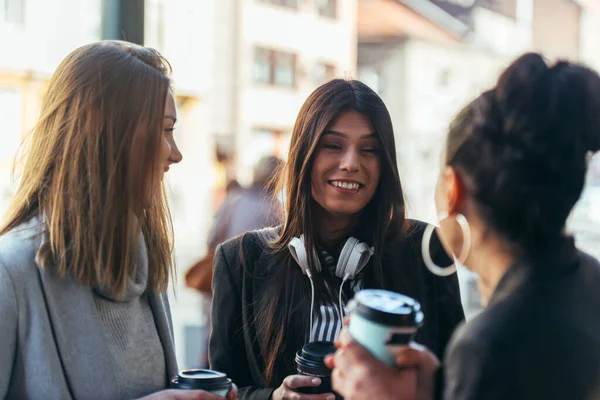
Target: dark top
x,y
238,303
538,338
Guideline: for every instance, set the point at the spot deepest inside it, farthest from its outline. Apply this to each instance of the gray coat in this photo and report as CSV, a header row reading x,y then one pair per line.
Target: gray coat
x,y
52,344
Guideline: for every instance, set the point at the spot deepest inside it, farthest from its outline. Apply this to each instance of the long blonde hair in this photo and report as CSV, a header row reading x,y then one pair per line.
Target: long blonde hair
x,y
100,126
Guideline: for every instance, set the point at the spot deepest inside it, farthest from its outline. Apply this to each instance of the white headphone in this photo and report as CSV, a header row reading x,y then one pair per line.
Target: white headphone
x,y
354,257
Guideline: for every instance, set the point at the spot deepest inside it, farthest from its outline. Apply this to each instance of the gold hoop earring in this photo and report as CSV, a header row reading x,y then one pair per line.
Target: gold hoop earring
x,y
464,253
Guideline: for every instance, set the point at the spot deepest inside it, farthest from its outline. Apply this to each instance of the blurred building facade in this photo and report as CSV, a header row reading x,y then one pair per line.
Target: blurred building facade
x,y
429,58
269,55
34,37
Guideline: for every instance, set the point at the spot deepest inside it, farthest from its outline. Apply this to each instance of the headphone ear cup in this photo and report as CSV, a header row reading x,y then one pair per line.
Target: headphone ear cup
x,y
343,268
296,247
298,251
353,258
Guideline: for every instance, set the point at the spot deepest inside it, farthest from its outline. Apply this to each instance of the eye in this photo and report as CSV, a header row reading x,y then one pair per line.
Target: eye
x,y
332,146
371,150
169,129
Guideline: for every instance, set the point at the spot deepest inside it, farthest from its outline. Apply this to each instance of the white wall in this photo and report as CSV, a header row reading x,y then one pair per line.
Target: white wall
x,y
51,30
502,34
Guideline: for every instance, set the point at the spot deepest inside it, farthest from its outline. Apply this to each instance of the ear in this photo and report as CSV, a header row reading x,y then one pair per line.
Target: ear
x,y
453,190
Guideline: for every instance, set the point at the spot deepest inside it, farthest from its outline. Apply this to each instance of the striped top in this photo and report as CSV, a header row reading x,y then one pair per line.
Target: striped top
x,y
328,321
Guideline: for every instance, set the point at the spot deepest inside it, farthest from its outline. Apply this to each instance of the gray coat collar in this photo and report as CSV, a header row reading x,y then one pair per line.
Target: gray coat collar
x,y
76,325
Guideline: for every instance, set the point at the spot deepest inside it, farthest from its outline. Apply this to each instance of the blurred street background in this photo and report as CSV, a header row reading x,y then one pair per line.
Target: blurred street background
x,y
242,69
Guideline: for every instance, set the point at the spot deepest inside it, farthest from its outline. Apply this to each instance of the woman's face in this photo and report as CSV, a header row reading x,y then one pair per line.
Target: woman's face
x,y
347,167
169,153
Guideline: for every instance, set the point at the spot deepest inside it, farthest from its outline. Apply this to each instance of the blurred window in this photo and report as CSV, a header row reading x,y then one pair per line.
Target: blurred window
x,y
444,77
371,77
285,3
262,65
323,72
285,69
274,67
12,11
326,8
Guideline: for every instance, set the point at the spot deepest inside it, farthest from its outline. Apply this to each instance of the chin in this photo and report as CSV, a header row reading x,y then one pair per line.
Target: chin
x,y
343,210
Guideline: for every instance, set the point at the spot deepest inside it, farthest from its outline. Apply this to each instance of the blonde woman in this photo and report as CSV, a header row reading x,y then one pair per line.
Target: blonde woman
x,y
86,249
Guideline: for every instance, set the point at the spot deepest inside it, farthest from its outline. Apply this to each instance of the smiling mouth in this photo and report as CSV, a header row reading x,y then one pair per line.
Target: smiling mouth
x,y
345,186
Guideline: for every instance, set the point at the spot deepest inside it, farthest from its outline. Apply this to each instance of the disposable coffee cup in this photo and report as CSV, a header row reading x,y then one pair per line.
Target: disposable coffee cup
x,y
202,379
384,322
310,361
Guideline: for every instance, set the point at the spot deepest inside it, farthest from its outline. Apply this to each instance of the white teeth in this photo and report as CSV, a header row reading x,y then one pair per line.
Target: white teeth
x,y
346,185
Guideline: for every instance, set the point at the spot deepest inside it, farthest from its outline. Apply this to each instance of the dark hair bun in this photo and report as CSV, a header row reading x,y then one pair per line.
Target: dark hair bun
x,y
530,94
523,146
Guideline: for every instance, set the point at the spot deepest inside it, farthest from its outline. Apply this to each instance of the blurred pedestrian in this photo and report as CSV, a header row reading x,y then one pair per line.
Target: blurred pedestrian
x,y
244,209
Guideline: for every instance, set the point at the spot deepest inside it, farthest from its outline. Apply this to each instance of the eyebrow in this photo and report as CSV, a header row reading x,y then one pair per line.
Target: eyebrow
x,y
172,117
343,135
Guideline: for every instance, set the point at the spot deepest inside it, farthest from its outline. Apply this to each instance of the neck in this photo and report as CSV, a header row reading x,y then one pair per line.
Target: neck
x,y
489,260
331,229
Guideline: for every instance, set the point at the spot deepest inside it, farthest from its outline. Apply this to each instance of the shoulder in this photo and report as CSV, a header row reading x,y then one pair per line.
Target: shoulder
x,y
480,355
246,249
415,227
480,334
250,241
18,248
412,234
408,245
501,326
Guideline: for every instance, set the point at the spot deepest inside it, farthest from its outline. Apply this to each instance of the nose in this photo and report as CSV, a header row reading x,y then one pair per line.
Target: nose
x,y
350,161
175,156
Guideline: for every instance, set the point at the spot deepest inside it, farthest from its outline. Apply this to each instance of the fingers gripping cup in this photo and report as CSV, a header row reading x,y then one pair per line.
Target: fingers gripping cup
x,y
310,360
383,322
202,379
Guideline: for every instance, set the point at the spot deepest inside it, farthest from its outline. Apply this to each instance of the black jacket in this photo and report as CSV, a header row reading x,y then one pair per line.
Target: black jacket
x,y
238,293
538,338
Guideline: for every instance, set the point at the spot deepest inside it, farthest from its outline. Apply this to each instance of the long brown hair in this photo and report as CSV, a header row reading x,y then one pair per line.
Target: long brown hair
x,y
100,125
381,220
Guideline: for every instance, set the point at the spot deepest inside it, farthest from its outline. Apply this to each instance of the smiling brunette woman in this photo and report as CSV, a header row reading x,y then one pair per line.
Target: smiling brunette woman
x,y
343,197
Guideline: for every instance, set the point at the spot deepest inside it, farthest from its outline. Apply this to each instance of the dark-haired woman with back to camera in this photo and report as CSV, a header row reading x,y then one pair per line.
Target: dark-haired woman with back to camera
x,y
513,167
343,193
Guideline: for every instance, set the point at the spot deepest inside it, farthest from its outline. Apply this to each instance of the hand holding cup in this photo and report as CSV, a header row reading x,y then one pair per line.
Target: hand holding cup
x,y
357,375
291,386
